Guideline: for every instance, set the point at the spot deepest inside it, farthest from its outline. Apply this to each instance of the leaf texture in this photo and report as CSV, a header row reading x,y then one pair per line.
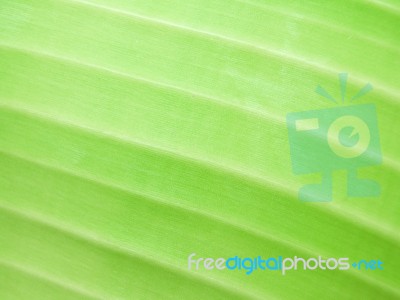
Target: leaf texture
x,y
134,133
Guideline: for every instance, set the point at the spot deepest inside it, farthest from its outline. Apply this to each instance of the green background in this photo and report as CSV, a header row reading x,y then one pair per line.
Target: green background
x,y
134,133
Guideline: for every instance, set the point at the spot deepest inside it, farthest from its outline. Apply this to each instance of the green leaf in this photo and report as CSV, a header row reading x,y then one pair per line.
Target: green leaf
x,y
134,133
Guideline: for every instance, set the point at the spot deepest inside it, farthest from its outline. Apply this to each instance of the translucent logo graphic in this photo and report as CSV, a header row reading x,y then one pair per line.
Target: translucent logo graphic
x,y
344,137
282,264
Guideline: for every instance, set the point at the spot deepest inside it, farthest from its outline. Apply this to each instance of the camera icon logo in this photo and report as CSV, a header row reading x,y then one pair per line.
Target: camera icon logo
x,y
338,138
